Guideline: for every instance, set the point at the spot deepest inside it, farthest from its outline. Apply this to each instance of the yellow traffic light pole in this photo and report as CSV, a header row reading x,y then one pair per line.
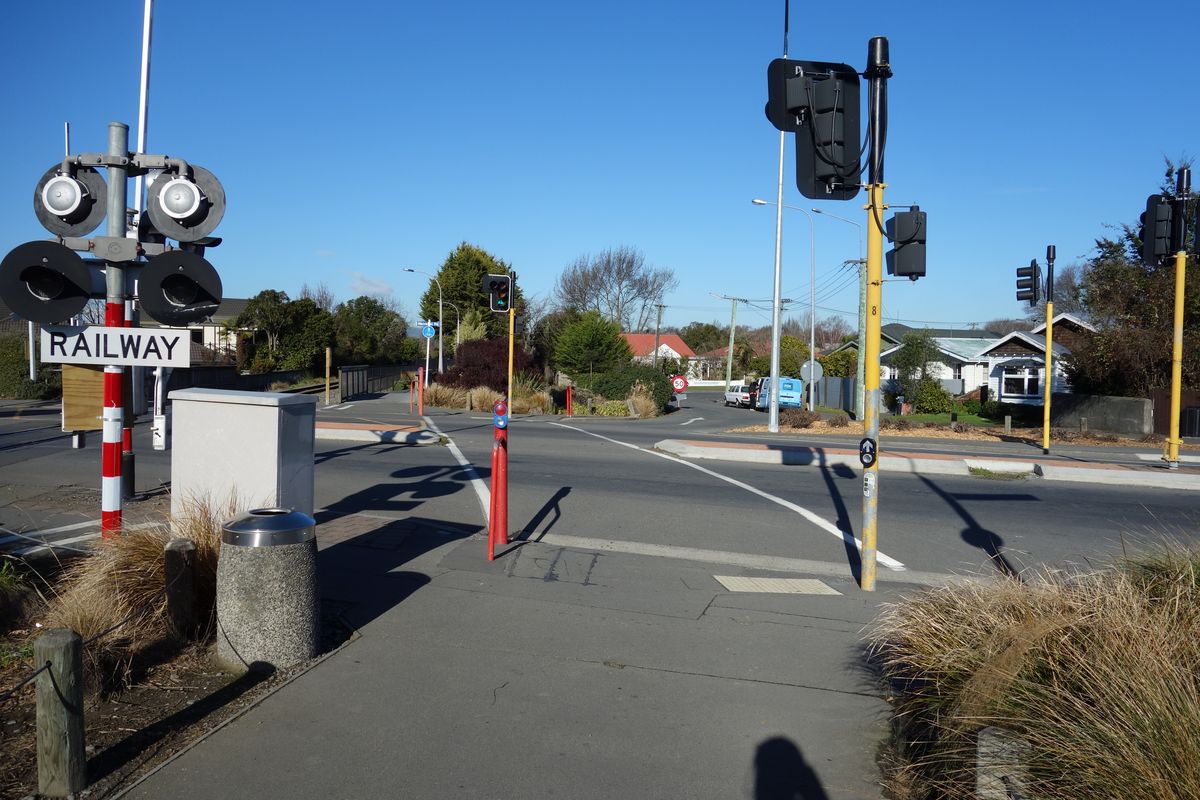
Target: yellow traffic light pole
x,y
1173,440
879,69
870,519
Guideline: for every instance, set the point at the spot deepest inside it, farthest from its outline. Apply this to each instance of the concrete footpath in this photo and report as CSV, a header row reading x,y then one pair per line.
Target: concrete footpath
x,y
1094,468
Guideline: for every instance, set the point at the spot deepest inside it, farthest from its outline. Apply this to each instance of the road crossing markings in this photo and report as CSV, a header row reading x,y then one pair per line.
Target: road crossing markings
x,y
690,421
734,583
815,519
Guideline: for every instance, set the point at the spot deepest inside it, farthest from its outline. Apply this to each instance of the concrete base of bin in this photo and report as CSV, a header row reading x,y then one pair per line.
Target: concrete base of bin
x,y
268,608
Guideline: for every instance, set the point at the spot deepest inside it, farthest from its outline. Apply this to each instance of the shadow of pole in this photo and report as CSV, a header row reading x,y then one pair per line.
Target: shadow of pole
x,y
530,532
976,535
853,557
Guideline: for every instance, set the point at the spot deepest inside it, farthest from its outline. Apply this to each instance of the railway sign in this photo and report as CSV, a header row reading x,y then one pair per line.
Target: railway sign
x,y
96,344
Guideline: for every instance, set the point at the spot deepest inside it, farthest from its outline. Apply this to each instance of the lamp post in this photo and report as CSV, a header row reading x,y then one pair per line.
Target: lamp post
x,y
862,314
812,308
439,285
457,323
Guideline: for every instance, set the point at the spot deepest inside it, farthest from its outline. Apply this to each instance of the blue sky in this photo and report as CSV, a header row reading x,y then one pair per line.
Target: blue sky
x,y
355,139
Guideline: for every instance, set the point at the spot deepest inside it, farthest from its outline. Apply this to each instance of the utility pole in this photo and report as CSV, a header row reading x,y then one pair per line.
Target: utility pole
x,y
1183,191
879,69
733,301
657,326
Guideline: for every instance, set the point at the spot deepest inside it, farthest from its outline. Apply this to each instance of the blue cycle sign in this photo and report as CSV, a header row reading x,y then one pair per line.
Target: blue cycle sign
x,y
428,331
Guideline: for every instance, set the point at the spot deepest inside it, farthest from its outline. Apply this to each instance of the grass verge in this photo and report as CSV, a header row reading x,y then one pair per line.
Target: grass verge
x,y
1096,672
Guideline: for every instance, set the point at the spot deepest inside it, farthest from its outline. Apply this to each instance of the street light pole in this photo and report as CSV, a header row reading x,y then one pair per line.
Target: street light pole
x,y
812,303
862,314
457,323
439,285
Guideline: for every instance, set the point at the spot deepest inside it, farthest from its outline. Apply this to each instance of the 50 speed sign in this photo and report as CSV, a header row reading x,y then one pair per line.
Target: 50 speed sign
x,y
679,383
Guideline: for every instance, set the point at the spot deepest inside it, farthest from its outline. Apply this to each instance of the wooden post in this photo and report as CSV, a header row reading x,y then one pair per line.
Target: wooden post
x,y
62,762
179,570
328,368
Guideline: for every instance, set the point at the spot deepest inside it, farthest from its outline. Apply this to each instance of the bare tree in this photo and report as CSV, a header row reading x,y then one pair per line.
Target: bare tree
x,y
618,283
322,295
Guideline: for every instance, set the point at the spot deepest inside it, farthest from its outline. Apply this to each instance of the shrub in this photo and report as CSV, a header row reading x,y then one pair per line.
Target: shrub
x,y
611,408
484,362
14,373
797,417
971,405
838,421
619,383
445,396
931,398
483,398
643,401
531,403
1095,672
894,423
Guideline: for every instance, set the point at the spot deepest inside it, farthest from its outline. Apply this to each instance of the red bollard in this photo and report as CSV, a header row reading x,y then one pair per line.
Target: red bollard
x,y
412,393
498,516
570,410
421,391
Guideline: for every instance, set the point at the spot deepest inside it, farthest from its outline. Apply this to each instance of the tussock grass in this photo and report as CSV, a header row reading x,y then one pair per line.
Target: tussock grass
x,y
121,584
642,397
1096,672
445,396
483,398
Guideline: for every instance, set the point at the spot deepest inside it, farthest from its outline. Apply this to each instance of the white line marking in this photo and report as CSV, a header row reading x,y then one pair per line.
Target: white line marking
x,y
820,522
481,489
690,421
1158,457
746,560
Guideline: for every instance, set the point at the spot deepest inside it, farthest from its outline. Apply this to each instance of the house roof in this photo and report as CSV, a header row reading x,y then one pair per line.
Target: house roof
x,y
1034,340
642,344
1067,319
896,331
957,348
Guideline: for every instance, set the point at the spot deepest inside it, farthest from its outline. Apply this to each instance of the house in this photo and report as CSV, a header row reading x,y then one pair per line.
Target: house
x,y
959,368
1017,362
669,346
211,340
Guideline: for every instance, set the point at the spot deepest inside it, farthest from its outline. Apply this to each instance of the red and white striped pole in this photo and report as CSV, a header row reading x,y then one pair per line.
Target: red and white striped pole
x,y
112,418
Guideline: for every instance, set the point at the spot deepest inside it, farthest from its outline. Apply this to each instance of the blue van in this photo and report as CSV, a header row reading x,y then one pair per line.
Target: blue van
x,y
791,393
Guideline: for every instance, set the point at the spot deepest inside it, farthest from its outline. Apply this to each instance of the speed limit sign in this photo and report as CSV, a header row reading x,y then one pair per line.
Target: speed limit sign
x,y
679,383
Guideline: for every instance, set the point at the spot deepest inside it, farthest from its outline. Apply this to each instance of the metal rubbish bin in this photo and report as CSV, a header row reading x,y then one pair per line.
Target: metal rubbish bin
x,y
268,607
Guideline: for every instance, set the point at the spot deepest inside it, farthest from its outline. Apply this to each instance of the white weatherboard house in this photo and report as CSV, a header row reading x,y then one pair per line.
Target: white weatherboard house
x,y
1012,367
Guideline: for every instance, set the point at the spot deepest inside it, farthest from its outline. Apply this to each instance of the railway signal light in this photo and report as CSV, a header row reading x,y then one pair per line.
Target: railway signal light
x,y
186,206
47,282
71,203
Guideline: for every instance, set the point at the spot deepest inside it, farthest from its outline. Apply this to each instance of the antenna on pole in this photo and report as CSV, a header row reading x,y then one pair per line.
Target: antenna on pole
x,y
786,4
66,140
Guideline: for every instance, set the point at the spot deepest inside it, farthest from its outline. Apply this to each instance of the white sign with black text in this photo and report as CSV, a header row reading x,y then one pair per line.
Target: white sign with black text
x,y
130,347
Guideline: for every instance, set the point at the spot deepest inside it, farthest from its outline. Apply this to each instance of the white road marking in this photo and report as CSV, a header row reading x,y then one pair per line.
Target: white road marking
x,y
815,519
13,535
745,560
736,583
1158,457
481,489
690,421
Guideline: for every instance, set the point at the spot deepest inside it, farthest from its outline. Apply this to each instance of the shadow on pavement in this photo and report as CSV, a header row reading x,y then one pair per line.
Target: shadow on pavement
x,y
530,532
412,486
975,534
853,557
781,773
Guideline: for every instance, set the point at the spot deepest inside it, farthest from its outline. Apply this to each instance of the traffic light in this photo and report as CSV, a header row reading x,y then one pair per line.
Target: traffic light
x,y
819,102
179,287
1155,231
186,207
1029,283
906,230
498,288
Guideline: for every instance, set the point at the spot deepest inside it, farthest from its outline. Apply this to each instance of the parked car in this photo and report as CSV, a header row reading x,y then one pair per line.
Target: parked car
x,y
791,393
737,395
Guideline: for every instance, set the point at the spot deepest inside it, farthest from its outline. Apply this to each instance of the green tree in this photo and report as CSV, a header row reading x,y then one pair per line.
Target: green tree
x,y
267,313
912,361
543,338
461,276
473,327
589,346
367,332
842,364
309,330
703,337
